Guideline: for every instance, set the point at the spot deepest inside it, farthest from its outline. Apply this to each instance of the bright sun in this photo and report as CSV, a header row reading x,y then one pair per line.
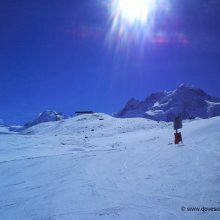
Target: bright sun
x,y
135,19
134,11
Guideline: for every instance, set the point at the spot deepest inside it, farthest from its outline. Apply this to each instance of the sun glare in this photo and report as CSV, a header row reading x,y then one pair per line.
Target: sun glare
x,y
132,15
135,20
134,10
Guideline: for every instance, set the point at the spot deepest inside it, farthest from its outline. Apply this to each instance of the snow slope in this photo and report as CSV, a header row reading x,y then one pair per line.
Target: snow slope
x,y
186,100
98,167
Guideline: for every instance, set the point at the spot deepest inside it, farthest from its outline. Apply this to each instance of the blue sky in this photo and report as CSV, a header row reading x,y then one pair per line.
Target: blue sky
x,y
56,55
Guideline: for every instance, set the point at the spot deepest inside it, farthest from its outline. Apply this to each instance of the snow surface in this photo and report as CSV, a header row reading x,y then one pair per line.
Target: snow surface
x,y
98,167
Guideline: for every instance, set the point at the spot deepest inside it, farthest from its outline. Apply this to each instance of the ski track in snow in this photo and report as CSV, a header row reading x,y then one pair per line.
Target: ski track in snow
x,y
123,174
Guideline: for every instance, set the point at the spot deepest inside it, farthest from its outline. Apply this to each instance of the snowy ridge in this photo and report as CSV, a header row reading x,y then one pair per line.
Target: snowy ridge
x,y
100,167
4,129
90,124
187,101
45,116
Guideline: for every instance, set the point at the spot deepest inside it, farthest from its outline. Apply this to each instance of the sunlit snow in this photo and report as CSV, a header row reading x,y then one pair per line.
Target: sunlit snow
x,y
100,167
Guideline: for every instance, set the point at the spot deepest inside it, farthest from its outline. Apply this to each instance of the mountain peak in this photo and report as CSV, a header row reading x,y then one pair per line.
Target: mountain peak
x,y
46,116
186,86
187,100
191,89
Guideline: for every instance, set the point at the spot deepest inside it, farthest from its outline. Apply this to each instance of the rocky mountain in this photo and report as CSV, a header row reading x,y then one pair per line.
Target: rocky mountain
x,y
187,101
45,116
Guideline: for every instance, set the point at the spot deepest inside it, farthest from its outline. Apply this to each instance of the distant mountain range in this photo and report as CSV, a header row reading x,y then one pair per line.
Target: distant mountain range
x,y
187,101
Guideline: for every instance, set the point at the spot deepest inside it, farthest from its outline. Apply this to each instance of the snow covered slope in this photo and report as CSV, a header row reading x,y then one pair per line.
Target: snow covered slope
x,y
186,100
94,167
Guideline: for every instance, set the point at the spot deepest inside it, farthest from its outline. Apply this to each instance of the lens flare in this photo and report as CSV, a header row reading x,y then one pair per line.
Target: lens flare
x,y
135,19
134,10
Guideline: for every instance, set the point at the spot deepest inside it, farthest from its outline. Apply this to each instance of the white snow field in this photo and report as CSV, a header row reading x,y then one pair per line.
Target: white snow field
x,y
93,167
